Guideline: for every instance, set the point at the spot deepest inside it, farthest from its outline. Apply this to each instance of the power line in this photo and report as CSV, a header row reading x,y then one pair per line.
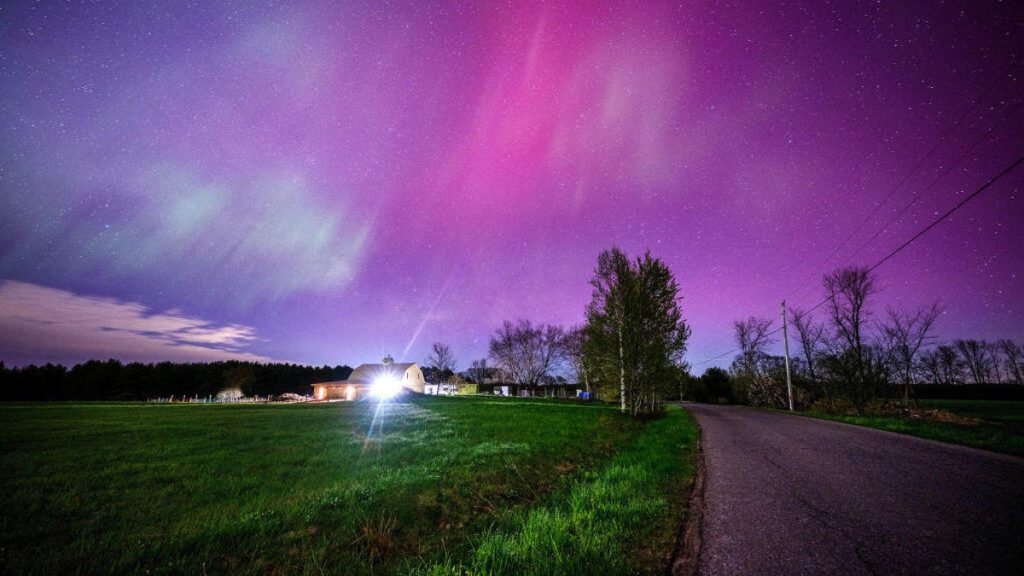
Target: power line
x,y
923,191
934,223
974,105
706,360
904,245
949,212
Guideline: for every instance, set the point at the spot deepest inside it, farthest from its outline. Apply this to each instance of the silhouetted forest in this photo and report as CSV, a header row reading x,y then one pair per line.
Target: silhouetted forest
x,y
114,380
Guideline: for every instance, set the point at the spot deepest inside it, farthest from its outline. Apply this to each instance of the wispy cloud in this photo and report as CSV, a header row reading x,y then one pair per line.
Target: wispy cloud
x,y
42,324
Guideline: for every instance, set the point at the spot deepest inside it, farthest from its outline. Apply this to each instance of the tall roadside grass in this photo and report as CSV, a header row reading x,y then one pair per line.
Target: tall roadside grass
x,y
620,519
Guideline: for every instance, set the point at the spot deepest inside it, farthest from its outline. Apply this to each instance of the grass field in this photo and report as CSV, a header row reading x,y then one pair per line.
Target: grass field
x,y
427,486
996,425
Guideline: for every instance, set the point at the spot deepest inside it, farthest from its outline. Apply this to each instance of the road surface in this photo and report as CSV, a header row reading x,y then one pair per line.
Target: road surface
x,y
793,495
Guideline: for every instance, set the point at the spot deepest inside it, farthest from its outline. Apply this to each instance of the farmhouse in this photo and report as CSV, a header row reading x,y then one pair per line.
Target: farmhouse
x,y
389,377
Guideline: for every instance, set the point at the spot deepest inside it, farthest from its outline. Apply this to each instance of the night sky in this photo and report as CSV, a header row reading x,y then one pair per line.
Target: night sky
x,y
329,182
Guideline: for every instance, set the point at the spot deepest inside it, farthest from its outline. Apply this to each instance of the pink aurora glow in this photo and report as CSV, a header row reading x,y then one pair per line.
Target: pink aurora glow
x,y
348,181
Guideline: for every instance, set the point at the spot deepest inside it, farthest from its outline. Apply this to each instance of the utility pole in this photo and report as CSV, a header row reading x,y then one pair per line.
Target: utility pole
x,y
785,340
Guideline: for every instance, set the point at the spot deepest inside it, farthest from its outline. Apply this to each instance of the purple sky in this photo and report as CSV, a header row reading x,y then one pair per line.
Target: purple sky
x,y
329,182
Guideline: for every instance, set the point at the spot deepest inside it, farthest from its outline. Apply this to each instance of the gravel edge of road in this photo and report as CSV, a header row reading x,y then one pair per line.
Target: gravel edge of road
x,y
686,556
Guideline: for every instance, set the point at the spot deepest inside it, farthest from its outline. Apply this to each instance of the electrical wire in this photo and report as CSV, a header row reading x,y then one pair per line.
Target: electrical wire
x,y
905,244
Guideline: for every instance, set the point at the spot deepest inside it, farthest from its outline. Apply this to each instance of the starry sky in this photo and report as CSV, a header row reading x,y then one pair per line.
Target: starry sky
x,y
327,182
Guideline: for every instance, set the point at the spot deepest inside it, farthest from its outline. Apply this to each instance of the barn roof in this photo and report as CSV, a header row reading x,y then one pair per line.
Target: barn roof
x,y
332,383
366,373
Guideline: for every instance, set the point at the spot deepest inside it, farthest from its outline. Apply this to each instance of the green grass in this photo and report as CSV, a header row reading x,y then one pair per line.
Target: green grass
x,y
999,426
620,519
505,486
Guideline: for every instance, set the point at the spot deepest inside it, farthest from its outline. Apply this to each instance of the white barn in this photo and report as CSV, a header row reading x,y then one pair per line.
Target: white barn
x,y
359,382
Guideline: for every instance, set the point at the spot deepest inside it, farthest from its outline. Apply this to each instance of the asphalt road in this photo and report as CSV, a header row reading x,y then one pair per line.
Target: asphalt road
x,y
794,495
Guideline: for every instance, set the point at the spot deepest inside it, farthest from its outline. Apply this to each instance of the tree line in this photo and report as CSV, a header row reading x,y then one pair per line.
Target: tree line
x,y
851,353
114,380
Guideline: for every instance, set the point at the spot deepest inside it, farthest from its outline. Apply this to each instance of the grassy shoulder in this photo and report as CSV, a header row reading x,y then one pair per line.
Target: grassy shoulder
x,y
620,519
996,425
337,488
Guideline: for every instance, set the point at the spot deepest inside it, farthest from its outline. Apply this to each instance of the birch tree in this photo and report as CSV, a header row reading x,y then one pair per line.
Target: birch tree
x,y
613,288
635,332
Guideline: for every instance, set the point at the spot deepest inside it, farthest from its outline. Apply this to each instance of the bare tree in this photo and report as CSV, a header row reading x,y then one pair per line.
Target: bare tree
x,y
929,367
752,365
441,359
753,337
848,290
478,370
906,331
574,354
812,337
977,359
951,367
527,353
857,368
996,372
1013,354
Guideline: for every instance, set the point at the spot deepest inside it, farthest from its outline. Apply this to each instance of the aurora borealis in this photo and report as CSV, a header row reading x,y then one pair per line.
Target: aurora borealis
x,y
327,182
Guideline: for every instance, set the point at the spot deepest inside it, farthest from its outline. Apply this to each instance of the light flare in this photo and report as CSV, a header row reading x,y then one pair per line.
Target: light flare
x,y
386,387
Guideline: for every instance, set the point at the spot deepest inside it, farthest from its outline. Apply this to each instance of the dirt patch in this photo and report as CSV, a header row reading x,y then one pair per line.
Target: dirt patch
x,y
564,467
943,416
896,409
921,414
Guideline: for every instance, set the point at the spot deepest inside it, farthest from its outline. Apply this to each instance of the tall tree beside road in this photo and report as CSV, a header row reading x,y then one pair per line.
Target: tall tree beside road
x,y
854,363
635,333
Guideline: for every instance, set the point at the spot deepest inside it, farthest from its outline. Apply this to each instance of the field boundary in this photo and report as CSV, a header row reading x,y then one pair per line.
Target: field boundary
x,y
686,556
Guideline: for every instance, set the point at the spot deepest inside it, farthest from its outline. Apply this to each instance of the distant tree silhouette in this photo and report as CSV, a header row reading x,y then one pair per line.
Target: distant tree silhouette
x,y
905,332
113,380
527,353
716,384
977,358
441,362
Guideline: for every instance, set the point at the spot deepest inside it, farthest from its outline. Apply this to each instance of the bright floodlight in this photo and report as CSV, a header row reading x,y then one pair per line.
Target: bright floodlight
x,y
385,387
